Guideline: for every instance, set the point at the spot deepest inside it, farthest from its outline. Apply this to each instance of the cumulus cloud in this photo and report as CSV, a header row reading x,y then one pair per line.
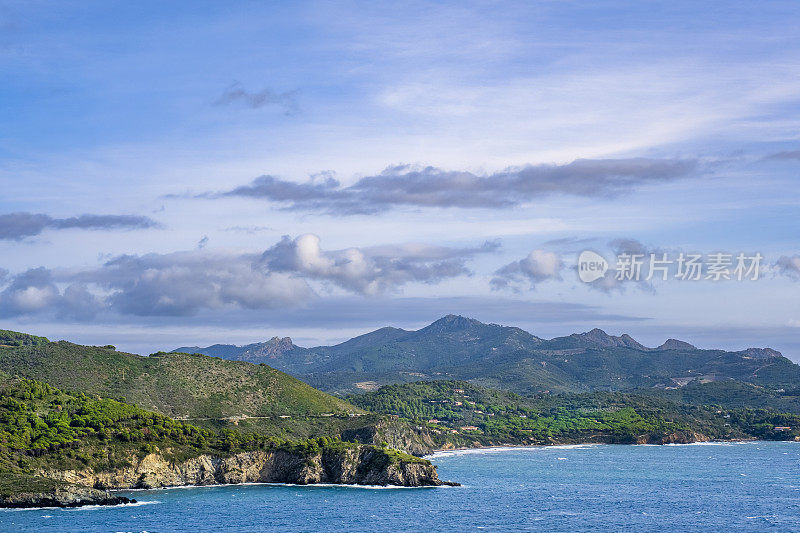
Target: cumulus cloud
x,y
17,226
35,291
369,271
789,266
30,291
254,100
176,284
184,283
405,185
538,266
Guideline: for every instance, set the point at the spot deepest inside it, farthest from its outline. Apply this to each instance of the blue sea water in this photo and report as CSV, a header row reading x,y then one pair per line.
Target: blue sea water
x,y
752,486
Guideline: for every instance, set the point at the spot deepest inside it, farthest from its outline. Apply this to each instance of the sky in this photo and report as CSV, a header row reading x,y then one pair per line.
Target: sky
x,y
189,173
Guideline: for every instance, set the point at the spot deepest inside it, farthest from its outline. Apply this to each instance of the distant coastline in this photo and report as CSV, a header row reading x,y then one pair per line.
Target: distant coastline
x,y
512,447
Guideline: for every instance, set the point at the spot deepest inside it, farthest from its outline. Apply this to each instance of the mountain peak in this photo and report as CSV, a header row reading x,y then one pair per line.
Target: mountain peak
x,y
274,347
598,337
280,340
675,344
451,323
761,353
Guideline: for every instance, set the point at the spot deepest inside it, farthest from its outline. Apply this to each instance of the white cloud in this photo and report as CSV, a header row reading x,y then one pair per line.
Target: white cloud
x,y
185,283
369,271
537,266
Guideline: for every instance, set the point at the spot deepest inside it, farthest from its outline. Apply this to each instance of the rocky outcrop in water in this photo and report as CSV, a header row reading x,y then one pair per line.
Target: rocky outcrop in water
x,y
64,496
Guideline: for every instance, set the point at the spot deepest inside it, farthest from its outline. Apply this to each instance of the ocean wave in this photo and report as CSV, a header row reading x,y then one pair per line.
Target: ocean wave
x,y
99,507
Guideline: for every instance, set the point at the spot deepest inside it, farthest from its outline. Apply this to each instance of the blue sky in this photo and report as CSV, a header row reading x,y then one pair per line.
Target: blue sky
x,y
318,169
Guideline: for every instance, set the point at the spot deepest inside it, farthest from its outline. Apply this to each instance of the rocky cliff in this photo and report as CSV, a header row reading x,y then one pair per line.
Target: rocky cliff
x,y
359,465
395,433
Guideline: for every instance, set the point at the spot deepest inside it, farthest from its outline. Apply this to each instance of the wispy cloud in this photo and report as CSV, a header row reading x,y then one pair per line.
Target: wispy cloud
x,y
263,98
406,185
17,226
787,155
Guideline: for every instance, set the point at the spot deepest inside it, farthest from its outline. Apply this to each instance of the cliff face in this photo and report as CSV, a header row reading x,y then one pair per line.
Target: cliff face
x,y
360,465
396,434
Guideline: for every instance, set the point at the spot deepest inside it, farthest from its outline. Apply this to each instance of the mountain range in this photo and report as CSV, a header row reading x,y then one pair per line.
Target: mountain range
x,y
457,347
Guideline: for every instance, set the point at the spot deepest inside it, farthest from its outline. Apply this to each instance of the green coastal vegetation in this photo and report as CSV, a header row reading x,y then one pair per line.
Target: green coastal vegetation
x,y
45,429
206,392
460,413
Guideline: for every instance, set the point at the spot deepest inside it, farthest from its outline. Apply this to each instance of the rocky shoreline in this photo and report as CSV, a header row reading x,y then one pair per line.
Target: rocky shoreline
x,y
63,496
355,465
351,465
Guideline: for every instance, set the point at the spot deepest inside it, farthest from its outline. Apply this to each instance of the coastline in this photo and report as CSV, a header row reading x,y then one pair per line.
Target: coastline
x,y
114,500
272,484
510,447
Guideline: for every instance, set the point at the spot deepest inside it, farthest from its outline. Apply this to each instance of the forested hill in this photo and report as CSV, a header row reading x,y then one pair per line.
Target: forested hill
x,y
456,347
14,338
177,385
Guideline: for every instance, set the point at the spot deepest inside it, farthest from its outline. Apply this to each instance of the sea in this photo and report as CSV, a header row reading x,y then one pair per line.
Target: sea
x,y
743,486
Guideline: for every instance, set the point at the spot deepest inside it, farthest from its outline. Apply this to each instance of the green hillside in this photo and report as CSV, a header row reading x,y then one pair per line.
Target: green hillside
x,y
14,338
41,425
209,392
44,429
460,413
177,385
733,394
